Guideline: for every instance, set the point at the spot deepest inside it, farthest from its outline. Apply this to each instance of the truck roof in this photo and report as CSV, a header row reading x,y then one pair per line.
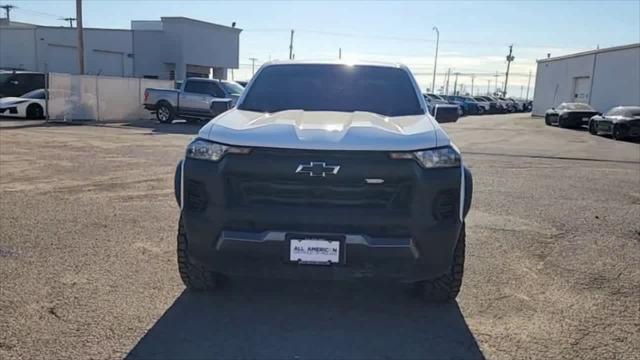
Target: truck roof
x,y
335,62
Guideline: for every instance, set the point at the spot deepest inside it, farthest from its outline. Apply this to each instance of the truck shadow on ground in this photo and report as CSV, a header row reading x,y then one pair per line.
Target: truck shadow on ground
x,y
294,319
157,128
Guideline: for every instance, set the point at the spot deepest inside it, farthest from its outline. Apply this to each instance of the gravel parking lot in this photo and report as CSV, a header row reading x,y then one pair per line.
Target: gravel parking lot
x,y
87,256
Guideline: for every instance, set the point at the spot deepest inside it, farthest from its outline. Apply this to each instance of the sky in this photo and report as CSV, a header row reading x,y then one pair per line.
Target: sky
x,y
474,35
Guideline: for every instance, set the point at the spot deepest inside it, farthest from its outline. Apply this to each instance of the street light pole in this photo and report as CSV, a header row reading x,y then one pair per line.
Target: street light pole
x,y
435,61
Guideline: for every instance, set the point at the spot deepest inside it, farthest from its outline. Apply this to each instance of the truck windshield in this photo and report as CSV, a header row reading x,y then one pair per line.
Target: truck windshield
x,y
232,88
4,78
333,87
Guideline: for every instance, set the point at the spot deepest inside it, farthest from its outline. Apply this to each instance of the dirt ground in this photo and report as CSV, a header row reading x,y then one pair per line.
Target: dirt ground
x,y
88,270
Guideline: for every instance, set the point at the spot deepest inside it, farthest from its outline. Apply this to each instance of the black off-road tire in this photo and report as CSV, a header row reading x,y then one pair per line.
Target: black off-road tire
x,y
193,277
165,113
446,287
35,112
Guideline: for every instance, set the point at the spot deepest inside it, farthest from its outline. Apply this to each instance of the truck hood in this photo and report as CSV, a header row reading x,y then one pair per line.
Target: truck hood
x,y
325,130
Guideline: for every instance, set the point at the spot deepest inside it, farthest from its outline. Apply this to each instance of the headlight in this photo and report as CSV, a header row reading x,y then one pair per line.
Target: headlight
x,y
207,150
432,158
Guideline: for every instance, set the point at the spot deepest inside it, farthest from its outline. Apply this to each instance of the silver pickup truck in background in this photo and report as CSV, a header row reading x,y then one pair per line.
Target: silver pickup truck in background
x,y
197,99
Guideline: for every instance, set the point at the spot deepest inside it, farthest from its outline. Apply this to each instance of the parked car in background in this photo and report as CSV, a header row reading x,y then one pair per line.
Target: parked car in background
x,y
29,106
441,100
518,104
570,115
469,105
437,105
620,122
18,83
494,106
509,105
196,99
484,106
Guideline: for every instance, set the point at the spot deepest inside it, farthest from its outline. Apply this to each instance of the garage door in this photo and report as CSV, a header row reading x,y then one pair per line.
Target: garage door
x,y
581,86
107,63
62,59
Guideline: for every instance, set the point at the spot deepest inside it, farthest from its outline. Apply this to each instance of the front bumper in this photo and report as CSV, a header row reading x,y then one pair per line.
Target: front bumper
x,y
229,234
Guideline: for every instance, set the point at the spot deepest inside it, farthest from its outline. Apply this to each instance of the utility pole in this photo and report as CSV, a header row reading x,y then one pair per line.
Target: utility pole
x,y
488,87
521,90
80,37
291,46
339,53
435,61
7,11
510,58
446,88
528,84
455,84
496,82
473,77
253,65
70,20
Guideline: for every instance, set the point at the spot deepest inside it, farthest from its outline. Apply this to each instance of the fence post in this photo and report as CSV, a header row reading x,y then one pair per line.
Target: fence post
x,y
97,99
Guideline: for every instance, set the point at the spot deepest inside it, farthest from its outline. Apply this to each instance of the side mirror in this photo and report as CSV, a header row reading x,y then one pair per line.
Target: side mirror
x,y
220,105
446,113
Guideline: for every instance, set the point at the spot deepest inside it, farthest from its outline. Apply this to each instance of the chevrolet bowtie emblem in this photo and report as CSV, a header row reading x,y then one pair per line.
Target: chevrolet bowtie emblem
x,y
317,169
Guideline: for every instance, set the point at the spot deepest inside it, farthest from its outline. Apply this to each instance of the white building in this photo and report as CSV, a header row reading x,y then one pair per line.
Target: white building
x,y
603,78
171,48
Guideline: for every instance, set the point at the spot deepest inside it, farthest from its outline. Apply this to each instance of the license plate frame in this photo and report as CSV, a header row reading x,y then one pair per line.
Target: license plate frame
x,y
320,240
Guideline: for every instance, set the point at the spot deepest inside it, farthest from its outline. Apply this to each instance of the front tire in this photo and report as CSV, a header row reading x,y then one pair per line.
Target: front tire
x,y
164,113
193,277
617,133
592,128
547,121
446,287
35,111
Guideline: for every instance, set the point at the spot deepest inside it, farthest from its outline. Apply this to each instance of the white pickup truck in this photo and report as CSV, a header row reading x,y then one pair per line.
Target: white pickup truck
x,y
325,170
197,99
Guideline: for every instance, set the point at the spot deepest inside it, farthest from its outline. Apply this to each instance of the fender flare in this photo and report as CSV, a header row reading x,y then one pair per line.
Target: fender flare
x,y
468,191
177,183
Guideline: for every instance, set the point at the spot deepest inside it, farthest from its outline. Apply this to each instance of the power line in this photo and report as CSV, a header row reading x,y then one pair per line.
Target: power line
x,y
40,13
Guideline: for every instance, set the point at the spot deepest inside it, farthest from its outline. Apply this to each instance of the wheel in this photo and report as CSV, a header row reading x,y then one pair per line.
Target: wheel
x,y
35,111
193,277
562,122
480,111
617,133
592,128
164,113
547,121
446,287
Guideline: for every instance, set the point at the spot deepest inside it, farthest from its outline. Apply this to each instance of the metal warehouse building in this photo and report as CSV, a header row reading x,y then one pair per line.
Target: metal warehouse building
x,y
171,48
603,78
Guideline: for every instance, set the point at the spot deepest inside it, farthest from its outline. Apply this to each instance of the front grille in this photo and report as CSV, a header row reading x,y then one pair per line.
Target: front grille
x,y
445,204
195,195
319,194
385,231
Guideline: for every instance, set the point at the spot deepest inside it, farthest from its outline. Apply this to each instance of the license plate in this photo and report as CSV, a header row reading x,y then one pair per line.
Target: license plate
x,y
314,251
